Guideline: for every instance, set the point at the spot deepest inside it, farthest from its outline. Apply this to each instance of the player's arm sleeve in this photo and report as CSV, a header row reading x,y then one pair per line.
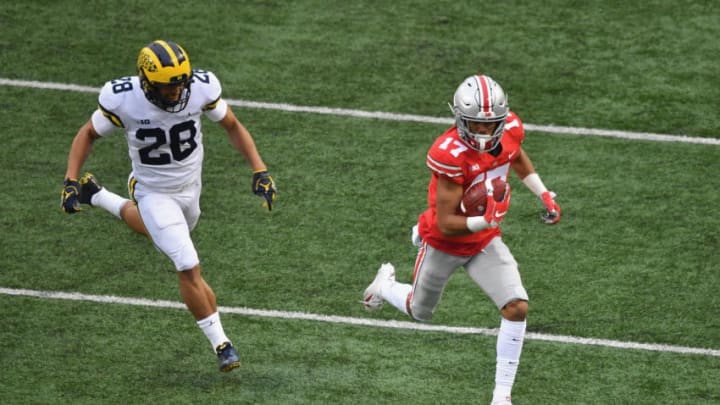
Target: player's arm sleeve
x,y
216,107
440,165
104,120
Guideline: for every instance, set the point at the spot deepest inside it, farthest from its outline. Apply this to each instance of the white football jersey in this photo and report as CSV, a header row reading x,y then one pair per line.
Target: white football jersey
x,y
166,149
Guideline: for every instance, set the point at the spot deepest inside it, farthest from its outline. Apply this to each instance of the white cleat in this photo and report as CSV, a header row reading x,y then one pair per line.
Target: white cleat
x,y
373,300
505,401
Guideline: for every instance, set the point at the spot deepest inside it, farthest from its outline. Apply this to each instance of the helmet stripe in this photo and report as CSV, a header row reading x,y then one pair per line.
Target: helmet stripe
x,y
179,52
168,53
484,93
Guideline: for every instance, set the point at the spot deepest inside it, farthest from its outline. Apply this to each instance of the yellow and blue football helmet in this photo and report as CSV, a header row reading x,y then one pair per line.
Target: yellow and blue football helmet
x,y
165,75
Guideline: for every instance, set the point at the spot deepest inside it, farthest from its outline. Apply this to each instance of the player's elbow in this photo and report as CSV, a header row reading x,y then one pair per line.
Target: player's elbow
x,y
446,228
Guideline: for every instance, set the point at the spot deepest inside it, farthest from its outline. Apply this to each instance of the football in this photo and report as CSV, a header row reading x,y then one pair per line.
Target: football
x,y
475,198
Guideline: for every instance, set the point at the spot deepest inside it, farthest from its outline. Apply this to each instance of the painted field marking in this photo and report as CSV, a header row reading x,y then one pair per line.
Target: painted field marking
x,y
644,136
407,325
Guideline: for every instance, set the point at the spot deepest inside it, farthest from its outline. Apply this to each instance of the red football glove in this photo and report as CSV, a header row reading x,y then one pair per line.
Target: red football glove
x,y
552,215
495,211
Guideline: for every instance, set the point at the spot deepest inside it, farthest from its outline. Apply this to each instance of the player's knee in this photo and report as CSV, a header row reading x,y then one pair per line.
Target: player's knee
x,y
515,310
184,256
191,275
130,214
187,264
419,313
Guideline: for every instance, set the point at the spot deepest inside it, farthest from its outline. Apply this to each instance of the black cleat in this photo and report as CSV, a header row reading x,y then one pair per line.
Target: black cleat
x,y
228,357
89,186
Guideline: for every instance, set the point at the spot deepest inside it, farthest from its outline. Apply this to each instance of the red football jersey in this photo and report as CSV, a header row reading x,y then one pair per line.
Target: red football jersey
x,y
452,159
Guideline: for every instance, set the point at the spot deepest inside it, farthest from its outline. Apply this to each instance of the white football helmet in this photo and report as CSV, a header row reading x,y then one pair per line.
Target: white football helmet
x,y
480,98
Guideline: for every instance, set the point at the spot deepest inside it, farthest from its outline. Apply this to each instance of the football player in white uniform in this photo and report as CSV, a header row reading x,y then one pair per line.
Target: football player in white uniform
x,y
484,144
160,112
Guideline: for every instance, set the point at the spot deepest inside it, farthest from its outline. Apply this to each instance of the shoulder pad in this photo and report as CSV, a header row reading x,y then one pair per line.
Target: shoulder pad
x,y
514,127
114,91
207,84
446,155
112,96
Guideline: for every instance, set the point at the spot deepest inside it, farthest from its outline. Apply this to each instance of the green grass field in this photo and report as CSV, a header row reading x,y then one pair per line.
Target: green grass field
x,y
634,260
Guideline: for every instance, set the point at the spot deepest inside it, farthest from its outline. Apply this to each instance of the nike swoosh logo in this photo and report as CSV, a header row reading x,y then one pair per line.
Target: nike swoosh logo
x,y
511,155
500,214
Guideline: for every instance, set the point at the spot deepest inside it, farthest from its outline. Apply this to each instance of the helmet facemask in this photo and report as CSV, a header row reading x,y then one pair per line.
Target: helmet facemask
x,y
480,142
154,94
480,99
162,67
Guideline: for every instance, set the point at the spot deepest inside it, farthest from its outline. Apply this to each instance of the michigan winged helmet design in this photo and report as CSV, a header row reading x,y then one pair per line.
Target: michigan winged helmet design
x,y
164,71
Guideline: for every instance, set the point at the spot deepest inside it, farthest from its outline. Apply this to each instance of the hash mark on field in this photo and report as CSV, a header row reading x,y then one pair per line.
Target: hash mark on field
x,y
645,136
462,330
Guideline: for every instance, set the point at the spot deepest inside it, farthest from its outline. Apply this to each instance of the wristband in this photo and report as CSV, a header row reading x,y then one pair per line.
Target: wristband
x,y
475,224
535,184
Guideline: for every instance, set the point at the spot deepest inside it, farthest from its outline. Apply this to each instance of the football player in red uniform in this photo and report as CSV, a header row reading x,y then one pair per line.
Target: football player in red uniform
x,y
485,143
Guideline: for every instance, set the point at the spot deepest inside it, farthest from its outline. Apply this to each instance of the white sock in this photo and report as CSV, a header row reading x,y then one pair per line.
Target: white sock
x,y
212,328
396,294
109,201
509,346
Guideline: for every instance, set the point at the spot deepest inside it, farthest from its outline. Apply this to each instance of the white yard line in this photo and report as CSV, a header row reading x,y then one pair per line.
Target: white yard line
x,y
645,136
265,313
